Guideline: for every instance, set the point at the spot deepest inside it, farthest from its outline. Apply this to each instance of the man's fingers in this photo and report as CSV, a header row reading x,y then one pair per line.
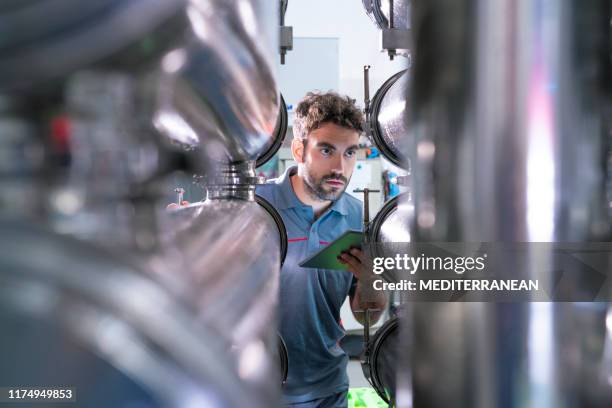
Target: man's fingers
x,y
354,266
358,253
350,259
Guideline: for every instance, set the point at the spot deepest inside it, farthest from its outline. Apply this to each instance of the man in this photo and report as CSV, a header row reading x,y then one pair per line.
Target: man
x,y
312,201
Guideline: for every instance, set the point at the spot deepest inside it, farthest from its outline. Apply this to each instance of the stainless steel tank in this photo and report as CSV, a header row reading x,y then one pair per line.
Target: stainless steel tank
x,y
206,66
507,103
219,90
216,93
227,288
113,207
231,251
76,316
389,120
216,60
392,224
379,361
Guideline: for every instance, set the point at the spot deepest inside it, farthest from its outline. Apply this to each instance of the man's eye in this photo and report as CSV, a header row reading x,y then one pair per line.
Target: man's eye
x,y
350,153
325,151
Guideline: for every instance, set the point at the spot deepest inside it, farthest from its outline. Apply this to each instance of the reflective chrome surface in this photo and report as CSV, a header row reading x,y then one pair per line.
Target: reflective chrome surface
x,y
392,224
509,144
389,120
208,66
230,258
80,316
221,94
249,237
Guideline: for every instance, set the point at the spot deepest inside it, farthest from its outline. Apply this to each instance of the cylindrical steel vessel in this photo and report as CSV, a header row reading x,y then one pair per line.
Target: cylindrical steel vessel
x,y
230,254
389,122
215,61
204,67
391,225
507,101
77,316
220,227
222,95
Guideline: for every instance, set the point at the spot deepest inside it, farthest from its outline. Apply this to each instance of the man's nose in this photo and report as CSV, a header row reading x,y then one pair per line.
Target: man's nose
x,y
338,165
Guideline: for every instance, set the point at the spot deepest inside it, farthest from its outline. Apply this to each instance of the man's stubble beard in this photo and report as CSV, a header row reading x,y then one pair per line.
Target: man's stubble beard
x,y
316,190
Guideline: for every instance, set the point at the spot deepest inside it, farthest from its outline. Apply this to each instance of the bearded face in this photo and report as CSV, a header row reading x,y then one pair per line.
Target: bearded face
x,y
328,159
328,187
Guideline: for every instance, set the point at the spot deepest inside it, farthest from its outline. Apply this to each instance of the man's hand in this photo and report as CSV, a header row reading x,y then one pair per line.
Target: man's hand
x,y
365,297
357,262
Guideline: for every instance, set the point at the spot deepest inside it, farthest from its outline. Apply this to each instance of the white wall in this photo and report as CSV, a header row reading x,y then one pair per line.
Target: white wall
x,y
359,41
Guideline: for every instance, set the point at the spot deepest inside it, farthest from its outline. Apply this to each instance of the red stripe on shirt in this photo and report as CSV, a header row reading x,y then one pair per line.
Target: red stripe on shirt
x,y
297,239
323,243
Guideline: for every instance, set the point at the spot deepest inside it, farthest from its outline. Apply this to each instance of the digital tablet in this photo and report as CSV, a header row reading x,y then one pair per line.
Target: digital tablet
x,y
327,258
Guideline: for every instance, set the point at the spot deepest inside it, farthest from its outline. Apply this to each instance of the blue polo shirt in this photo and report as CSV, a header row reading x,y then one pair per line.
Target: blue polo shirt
x,y
310,299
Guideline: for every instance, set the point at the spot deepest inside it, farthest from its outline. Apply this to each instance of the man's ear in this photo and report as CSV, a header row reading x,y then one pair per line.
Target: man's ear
x,y
297,150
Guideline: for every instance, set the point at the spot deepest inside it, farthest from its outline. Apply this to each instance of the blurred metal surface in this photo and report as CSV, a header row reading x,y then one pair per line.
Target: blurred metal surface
x,y
389,121
232,284
74,315
507,104
222,95
22,164
230,258
48,40
218,82
112,76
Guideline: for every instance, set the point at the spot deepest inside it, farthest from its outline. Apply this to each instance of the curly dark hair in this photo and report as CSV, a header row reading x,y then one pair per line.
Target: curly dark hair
x,y
317,108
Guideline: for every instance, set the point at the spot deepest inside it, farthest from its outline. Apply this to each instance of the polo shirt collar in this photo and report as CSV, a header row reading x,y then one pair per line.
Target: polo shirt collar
x,y
288,199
